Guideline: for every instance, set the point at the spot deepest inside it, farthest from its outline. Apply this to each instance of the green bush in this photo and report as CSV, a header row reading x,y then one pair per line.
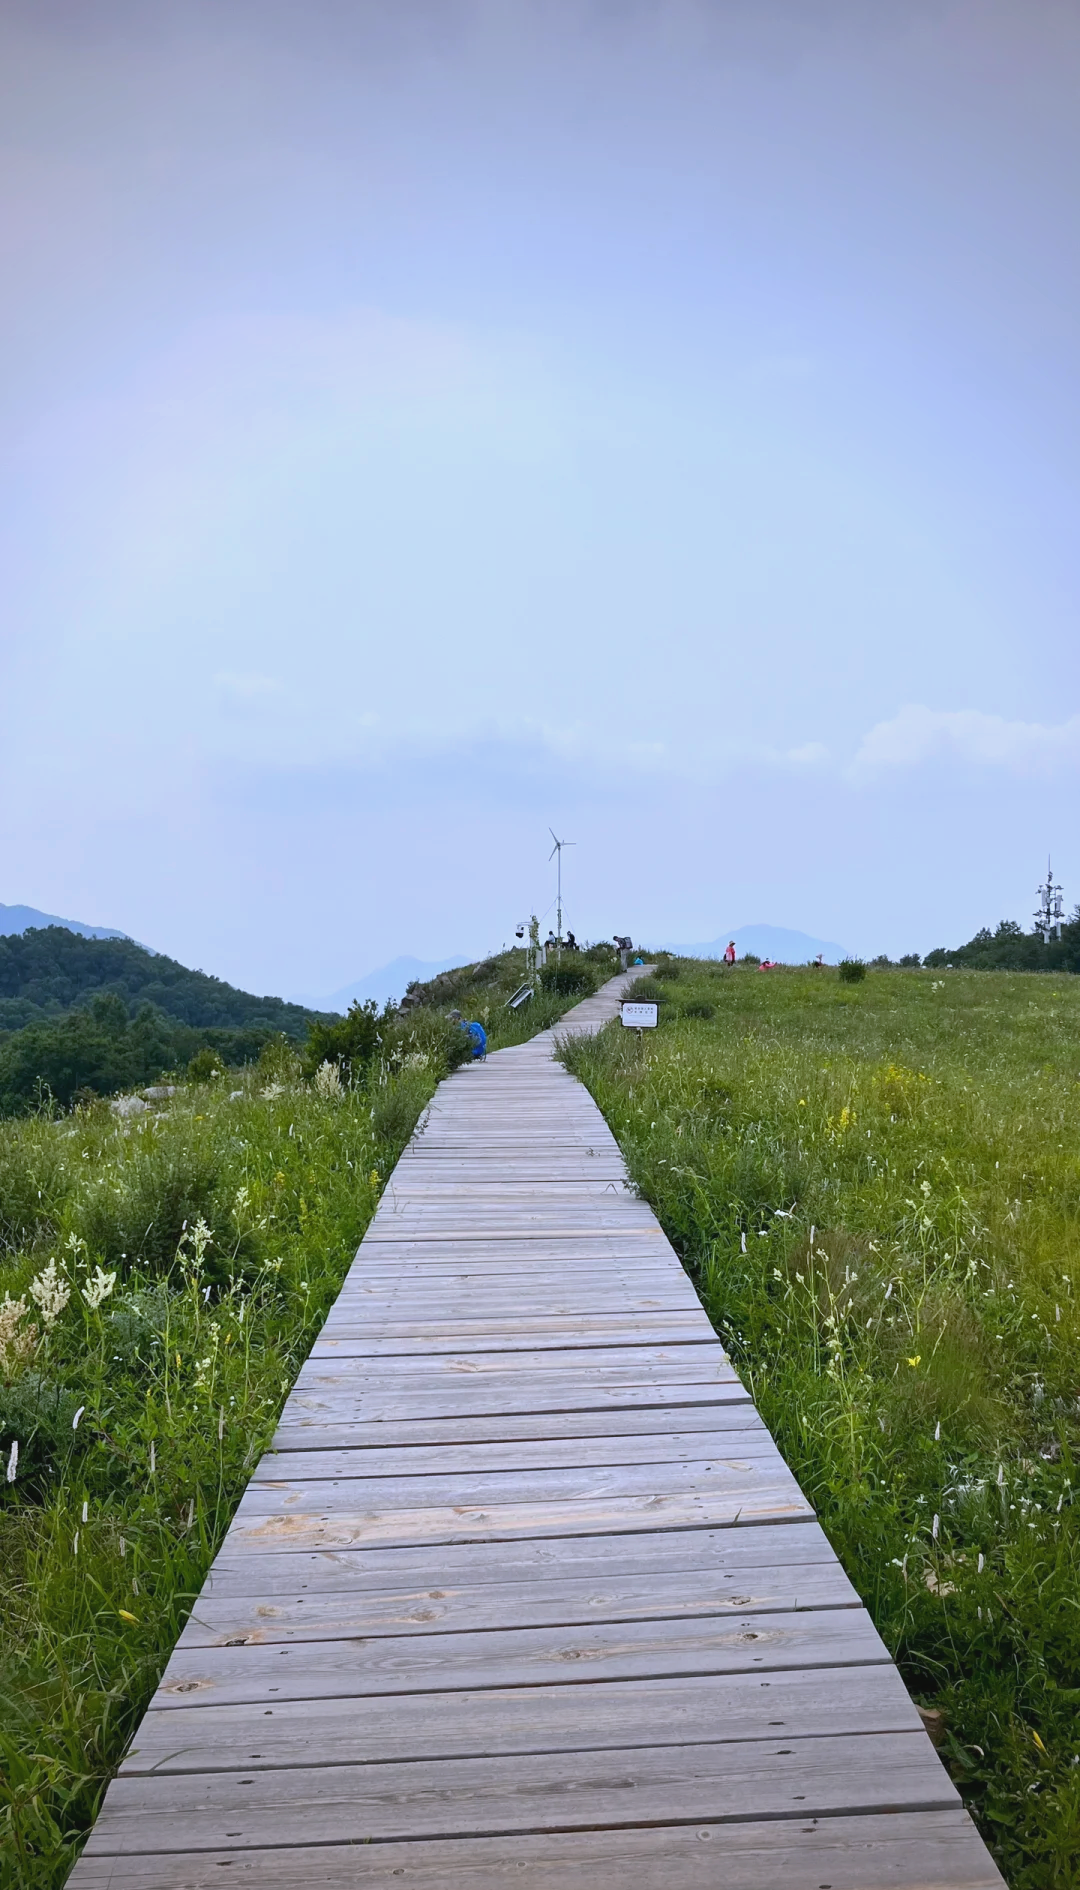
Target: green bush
x,y
352,1041
852,970
568,979
205,1066
647,990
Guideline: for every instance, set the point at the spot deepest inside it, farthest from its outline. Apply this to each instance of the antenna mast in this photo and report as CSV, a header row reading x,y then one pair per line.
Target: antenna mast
x,y
556,852
1049,914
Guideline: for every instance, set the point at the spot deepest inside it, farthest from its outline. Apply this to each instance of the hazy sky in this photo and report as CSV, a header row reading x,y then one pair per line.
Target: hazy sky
x,y
428,420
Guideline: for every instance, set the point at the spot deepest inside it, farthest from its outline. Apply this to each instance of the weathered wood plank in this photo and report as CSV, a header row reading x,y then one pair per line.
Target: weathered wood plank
x,y
783,1778
299,1431
269,1617
483,1398
411,1663
597,1716
625,1364
924,1850
357,1339
745,1505
542,1454
768,1551
419,1488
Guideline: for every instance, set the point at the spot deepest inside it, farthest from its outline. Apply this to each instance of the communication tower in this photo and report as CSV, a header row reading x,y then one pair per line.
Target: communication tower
x,y
1049,913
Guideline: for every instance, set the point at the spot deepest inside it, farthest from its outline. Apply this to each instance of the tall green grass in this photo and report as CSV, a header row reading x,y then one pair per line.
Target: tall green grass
x,y
876,1188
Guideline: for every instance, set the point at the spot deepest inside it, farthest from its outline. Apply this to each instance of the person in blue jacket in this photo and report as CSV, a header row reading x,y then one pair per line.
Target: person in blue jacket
x,y
479,1038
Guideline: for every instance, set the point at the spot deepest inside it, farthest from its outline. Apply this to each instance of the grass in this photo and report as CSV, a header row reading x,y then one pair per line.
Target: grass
x,y
876,1188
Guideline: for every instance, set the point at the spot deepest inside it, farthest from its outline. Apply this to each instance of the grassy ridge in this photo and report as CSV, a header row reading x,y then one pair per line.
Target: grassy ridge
x,y
876,1188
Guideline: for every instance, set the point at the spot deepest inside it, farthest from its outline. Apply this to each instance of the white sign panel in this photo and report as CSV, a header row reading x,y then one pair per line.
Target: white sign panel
x,y
639,1016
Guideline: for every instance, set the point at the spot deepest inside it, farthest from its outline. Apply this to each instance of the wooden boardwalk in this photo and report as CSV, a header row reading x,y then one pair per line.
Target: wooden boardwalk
x,y
525,1587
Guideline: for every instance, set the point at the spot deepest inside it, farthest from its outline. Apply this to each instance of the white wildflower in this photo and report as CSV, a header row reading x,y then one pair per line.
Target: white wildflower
x,y
96,1287
18,1343
937,1432
13,1460
935,1526
50,1293
328,1081
78,1415
982,1563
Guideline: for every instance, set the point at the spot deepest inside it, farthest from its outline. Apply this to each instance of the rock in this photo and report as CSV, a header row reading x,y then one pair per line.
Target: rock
x,y
160,1092
128,1106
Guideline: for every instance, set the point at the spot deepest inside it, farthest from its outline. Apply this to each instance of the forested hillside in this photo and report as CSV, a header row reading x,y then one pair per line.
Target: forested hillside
x,y
85,1016
43,973
1010,948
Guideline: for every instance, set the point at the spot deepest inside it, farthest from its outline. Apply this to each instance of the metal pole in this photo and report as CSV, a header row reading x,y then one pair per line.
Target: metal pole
x,y
558,910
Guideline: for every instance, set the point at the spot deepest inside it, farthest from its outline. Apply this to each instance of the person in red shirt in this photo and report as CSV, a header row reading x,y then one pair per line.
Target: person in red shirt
x,y
729,955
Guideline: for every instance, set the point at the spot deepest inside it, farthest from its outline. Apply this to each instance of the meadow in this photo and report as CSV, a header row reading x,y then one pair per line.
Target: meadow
x,y
876,1189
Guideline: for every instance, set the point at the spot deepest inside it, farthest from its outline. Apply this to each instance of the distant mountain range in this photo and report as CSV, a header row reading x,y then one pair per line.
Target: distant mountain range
x,y
767,941
389,981
17,919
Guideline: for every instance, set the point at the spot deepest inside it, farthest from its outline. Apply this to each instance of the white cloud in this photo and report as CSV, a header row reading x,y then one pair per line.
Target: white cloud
x,y
918,734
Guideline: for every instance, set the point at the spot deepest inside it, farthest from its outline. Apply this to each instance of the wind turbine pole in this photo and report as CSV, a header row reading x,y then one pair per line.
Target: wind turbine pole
x,y
556,854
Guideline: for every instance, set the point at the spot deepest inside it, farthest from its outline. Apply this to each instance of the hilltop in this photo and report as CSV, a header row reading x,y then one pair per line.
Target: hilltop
x,y
44,973
16,919
777,942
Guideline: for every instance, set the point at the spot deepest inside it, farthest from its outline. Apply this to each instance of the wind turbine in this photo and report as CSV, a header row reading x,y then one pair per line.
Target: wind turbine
x,y
557,850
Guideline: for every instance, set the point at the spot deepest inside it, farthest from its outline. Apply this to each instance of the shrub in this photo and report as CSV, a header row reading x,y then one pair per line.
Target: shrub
x,y
698,1008
205,1066
567,979
852,970
647,991
352,1041
910,961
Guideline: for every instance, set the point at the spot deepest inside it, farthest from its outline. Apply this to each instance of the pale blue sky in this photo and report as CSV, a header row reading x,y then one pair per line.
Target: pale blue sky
x,y
427,420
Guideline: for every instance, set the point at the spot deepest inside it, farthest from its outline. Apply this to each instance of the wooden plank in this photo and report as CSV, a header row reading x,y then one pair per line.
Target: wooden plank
x,y
784,1778
341,1404
267,1618
597,1716
754,1499
924,1850
771,1550
463,1460
734,1476
299,1431
663,1364
517,1657
565,1334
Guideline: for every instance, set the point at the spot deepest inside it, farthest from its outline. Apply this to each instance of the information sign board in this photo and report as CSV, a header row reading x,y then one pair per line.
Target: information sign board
x,y
639,1016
